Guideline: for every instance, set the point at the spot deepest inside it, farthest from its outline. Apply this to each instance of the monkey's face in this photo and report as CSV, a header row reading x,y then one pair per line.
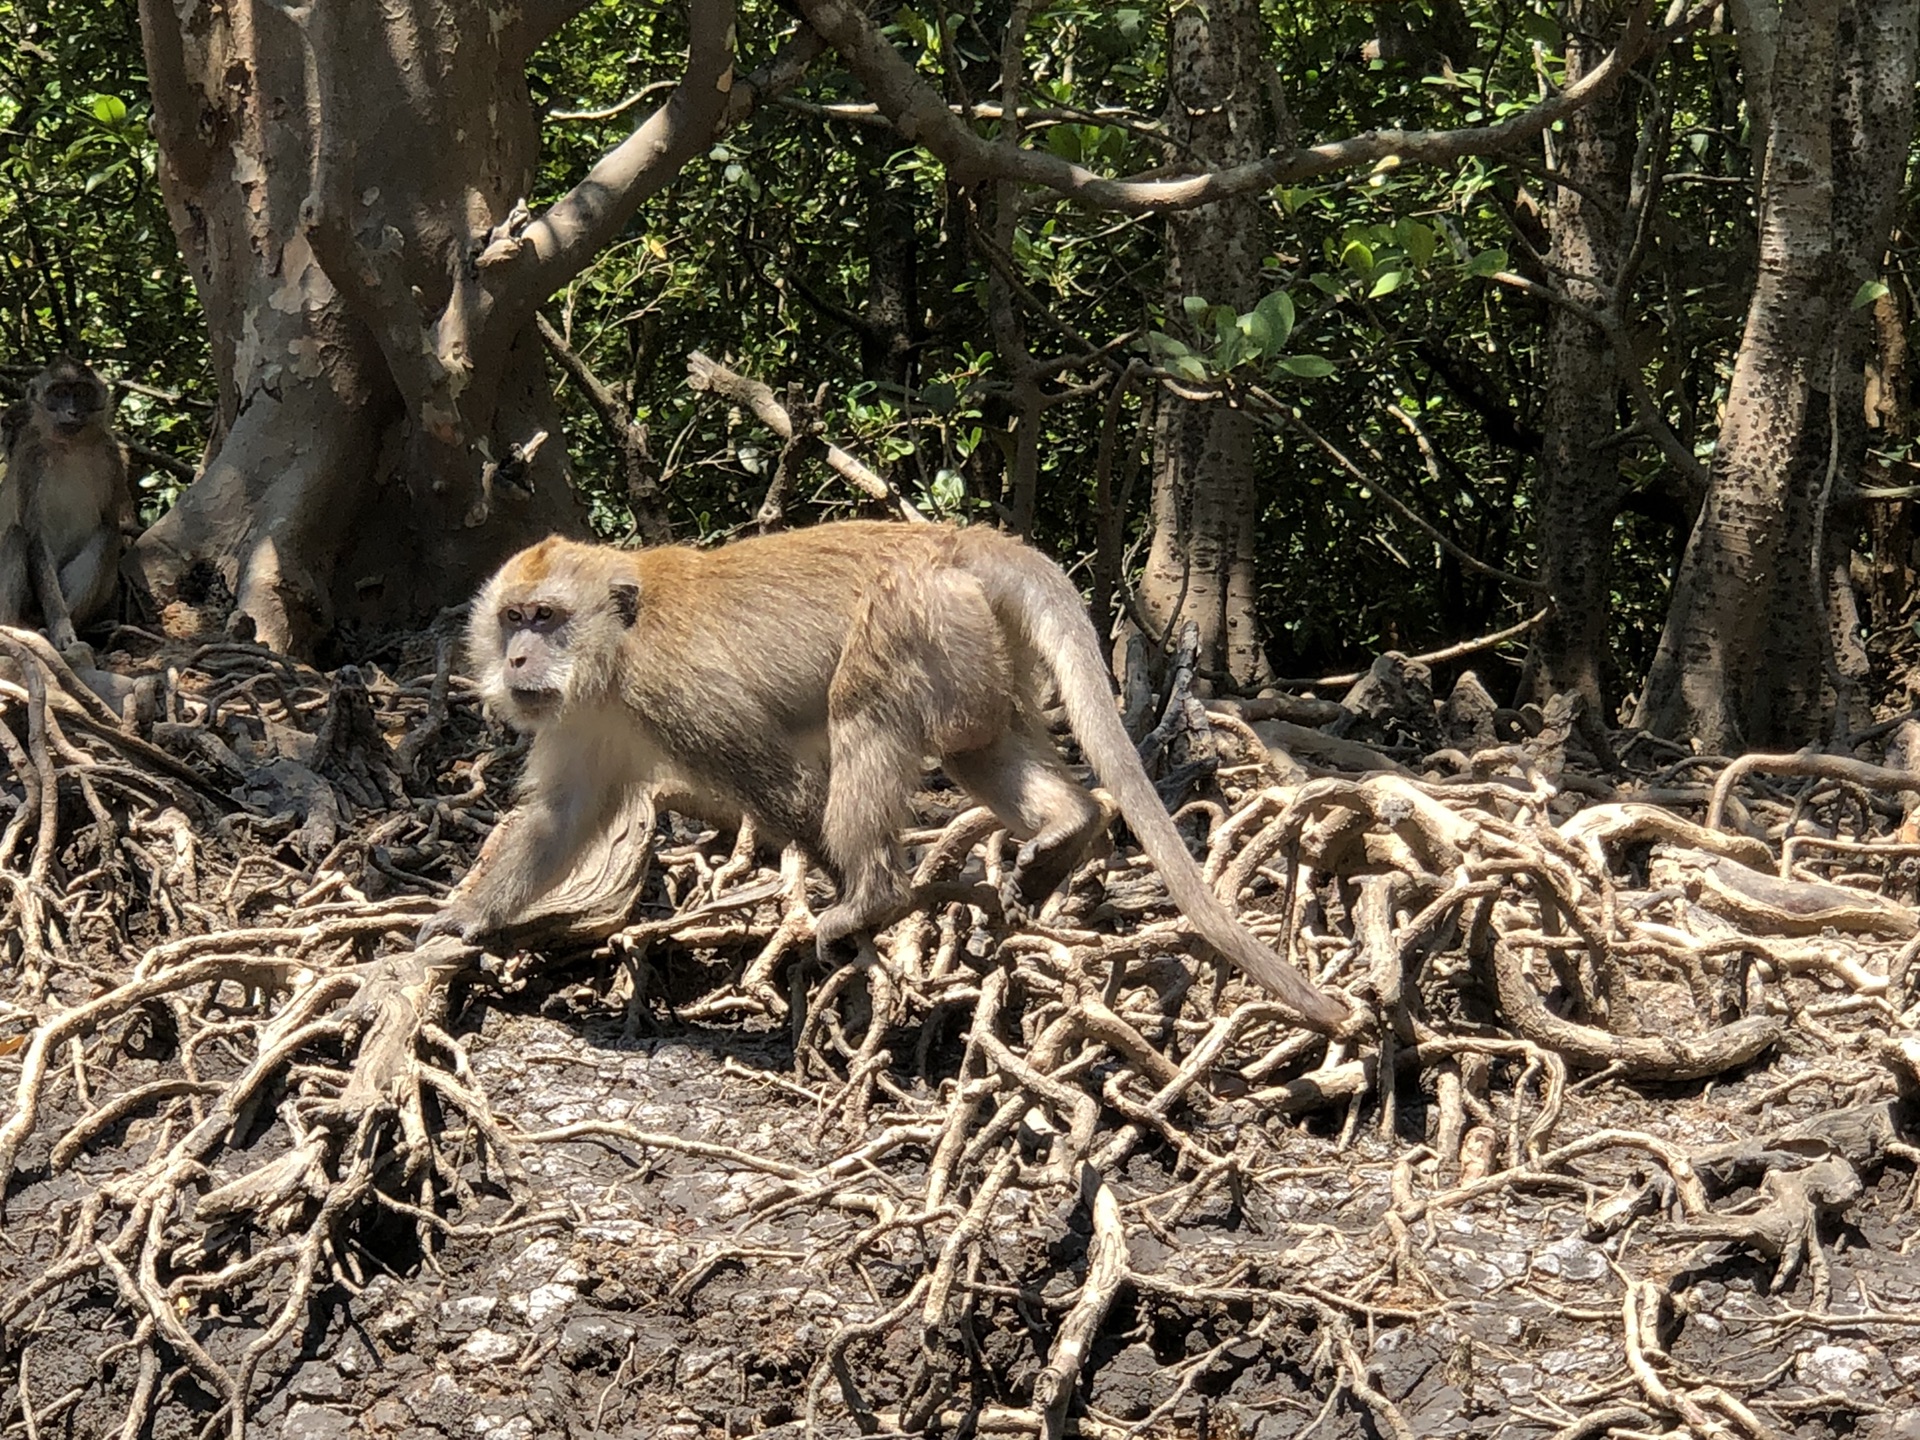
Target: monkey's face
x,y
547,631
72,398
534,674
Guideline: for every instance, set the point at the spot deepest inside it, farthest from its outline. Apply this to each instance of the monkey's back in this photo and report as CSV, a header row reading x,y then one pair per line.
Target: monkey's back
x,y
735,650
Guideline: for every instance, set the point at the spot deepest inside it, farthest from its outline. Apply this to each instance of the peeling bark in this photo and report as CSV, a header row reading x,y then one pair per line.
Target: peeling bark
x,y
350,199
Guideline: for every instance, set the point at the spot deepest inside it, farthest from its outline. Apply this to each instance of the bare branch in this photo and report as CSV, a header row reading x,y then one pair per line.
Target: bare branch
x,y
706,373
537,22
922,114
558,245
643,474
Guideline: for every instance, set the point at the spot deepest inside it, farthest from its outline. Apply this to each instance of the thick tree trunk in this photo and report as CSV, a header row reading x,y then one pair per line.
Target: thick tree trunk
x,y
1750,635
1205,502
1716,624
1818,660
350,200
1579,489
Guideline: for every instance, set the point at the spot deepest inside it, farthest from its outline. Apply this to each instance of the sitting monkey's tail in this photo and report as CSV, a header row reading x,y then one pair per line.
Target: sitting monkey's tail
x,y
1033,594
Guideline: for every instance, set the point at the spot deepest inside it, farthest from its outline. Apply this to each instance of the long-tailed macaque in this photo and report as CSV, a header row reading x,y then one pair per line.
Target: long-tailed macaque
x,y
801,679
64,503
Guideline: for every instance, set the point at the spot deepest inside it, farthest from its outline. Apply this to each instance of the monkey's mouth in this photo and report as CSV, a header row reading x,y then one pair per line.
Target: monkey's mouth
x,y
534,703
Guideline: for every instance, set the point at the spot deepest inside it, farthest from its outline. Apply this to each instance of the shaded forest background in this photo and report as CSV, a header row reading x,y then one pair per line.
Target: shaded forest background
x,y
1392,336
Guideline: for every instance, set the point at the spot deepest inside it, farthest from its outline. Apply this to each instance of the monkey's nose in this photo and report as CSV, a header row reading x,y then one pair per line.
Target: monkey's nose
x,y
518,661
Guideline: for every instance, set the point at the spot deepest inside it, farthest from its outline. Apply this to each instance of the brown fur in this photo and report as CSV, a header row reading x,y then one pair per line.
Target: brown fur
x,y
64,503
801,679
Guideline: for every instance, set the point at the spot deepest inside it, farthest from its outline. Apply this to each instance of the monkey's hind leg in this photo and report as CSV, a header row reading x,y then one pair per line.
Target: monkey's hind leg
x,y
923,671
15,585
874,768
88,580
1020,778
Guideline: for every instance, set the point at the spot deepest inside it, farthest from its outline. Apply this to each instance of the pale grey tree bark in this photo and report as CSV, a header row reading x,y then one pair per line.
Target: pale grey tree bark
x,y
1223,110
349,193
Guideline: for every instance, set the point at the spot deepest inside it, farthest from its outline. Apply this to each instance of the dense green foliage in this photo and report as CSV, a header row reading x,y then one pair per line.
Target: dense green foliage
x,y
1392,329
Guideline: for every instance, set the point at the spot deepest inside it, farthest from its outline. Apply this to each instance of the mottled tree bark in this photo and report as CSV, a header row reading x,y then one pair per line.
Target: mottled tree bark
x,y
1815,659
1741,657
1579,488
349,194
1200,566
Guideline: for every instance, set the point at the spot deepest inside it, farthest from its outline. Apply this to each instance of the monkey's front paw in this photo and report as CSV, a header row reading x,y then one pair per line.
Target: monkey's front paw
x,y
450,921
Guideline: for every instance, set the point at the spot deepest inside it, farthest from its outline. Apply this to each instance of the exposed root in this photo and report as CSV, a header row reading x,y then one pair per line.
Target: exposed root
x,y
246,1088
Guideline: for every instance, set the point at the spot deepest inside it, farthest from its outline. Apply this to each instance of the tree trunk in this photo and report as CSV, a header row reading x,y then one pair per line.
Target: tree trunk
x,y
1759,628
1816,660
350,198
1579,489
1716,624
1205,503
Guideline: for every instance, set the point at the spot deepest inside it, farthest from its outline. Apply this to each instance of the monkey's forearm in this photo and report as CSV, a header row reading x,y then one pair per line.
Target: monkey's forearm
x,y
46,589
526,855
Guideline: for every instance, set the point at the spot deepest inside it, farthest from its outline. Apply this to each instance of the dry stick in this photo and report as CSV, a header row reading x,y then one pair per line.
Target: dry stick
x,y
1432,657
835,1360
46,795
643,483
414,743
82,1018
705,373
1107,1271
660,1140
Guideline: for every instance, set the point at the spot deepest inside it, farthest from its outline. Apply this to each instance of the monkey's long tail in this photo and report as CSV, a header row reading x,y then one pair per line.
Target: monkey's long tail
x,y
1032,591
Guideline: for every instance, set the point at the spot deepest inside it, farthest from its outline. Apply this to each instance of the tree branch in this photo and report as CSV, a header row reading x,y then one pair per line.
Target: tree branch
x,y
558,245
538,21
705,373
643,477
922,115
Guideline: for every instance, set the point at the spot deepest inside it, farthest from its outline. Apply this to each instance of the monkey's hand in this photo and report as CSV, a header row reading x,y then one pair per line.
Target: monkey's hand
x,y
456,920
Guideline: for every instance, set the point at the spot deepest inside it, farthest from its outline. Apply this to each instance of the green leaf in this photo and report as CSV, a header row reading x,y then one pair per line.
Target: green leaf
x,y
1256,331
1194,305
1357,256
1419,240
1868,293
109,110
1165,346
1388,282
1188,367
1277,310
1488,262
1307,367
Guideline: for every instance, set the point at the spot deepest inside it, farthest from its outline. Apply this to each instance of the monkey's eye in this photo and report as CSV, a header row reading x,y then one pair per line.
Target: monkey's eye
x,y
542,614
513,615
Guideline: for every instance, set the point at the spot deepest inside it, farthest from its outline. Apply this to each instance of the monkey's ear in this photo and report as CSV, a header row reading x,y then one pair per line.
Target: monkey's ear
x,y
626,602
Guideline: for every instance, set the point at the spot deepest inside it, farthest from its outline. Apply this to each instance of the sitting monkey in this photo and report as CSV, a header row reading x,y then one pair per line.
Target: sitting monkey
x,y
65,503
